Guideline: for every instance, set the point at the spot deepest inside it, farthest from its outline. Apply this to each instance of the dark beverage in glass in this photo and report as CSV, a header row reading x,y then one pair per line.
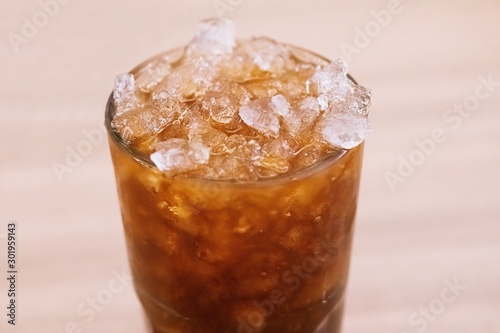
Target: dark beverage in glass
x,y
238,165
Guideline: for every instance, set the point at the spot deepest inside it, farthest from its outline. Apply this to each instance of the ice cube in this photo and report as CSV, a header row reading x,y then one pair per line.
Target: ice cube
x,y
267,54
199,131
339,65
234,142
160,96
225,167
360,100
179,155
323,102
260,88
284,147
148,119
260,115
235,91
281,106
344,129
249,151
336,92
275,156
290,118
274,163
263,172
221,108
238,146
308,110
124,93
331,81
294,88
221,105
310,154
176,129
290,87
191,79
213,36
152,74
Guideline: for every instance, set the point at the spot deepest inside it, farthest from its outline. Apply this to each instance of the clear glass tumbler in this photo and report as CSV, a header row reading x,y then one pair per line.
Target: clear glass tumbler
x,y
210,256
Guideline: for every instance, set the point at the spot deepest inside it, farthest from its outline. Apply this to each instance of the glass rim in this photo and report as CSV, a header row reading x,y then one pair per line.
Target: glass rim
x,y
293,176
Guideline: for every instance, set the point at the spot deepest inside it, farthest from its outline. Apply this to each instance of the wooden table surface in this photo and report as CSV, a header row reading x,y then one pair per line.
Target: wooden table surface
x,y
426,256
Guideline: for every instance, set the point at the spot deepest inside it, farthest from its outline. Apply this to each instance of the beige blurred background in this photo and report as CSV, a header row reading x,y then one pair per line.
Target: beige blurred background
x,y
427,248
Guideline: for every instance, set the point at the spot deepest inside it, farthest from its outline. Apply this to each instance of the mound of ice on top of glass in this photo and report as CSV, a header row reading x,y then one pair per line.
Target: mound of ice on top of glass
x,y
331,84
239,109
213,36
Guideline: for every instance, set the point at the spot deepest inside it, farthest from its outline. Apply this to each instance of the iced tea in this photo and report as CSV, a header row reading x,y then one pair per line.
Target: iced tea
x,y
237,165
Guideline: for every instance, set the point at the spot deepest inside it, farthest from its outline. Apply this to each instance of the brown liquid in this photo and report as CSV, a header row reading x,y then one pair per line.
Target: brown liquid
x,y
220,256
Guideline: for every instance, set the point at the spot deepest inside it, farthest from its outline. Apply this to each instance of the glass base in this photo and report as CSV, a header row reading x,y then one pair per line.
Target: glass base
x,y
328,313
